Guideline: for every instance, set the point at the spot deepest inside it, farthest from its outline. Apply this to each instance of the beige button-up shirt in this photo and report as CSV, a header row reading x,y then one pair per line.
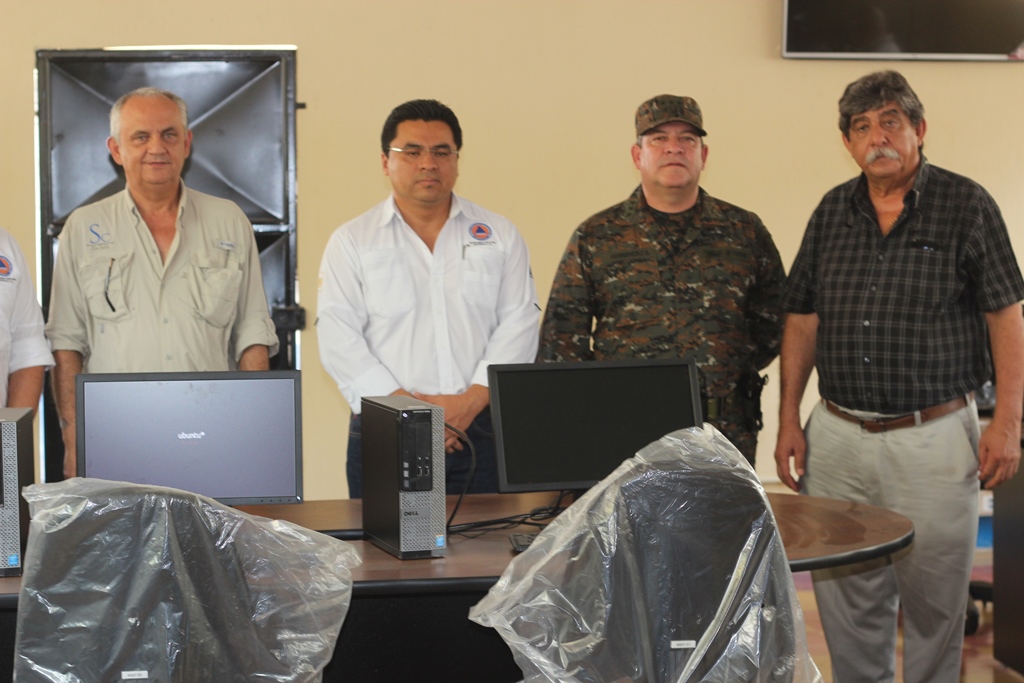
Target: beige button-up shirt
x,y
114,301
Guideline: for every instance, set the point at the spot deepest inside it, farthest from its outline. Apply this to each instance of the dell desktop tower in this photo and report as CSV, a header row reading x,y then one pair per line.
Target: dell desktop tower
x,y
403,476
17,448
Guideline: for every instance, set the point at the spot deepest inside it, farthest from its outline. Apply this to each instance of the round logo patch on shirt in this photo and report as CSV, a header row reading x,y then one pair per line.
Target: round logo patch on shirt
x,y
5,266
480,231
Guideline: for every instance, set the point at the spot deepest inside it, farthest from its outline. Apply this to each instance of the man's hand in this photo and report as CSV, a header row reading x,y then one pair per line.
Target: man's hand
x,y
791,444
999,452
999,448
799,337
459,411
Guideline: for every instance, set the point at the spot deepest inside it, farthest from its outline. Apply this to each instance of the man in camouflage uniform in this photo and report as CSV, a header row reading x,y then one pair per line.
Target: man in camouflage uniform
x,y
673,272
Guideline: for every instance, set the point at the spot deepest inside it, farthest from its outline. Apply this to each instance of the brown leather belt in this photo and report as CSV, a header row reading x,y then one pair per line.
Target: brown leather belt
x,y
890,423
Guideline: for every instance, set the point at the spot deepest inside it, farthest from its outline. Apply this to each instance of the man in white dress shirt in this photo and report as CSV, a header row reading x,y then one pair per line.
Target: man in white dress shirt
x,y
421,293
24,353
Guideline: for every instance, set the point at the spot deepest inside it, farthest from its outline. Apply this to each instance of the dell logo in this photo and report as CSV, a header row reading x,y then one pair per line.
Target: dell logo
x,y
411,513
191,435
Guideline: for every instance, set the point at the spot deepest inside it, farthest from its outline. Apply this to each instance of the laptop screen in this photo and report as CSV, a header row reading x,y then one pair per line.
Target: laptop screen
x,y
232,436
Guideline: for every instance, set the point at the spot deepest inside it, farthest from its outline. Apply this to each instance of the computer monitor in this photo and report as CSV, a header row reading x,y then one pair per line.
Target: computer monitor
x,y
232,436
566,426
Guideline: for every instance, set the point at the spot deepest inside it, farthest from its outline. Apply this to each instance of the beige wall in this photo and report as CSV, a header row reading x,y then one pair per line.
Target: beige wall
x,y
545,91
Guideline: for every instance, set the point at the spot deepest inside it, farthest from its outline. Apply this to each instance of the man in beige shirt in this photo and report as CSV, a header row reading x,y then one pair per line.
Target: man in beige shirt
x,y
156,278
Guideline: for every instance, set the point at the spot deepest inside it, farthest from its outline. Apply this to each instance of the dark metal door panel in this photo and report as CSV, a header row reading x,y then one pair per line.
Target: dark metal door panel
x,y
242,113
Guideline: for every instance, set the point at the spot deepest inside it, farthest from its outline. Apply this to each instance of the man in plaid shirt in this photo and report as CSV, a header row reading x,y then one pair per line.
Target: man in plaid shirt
x,y
904,282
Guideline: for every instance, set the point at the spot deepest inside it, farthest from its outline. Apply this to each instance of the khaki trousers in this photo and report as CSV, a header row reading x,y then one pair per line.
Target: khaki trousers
x,y
929,474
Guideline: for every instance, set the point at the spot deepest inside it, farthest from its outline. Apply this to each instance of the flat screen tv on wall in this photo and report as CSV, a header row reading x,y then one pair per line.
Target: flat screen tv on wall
x,y
904,29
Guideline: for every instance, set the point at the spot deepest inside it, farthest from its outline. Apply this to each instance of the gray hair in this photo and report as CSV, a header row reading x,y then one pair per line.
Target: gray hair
x,y
148,91
873,92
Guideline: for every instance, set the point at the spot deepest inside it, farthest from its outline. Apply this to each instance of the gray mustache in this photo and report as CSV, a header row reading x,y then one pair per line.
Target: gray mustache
x,y
887,152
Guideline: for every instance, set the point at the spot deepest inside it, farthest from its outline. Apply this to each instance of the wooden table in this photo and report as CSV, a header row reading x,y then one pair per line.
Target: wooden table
x,y
408,618
816,532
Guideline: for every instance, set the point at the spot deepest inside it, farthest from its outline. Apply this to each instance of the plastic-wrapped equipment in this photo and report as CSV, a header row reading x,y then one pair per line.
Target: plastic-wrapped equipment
x,y
670,570
123,581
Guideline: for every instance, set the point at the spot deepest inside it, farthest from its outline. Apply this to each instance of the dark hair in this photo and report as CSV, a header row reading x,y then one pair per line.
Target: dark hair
x,y
419,110
874,91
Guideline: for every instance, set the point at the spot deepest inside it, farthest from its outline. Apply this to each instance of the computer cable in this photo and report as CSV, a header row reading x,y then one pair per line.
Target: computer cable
x,y
469,478
538,517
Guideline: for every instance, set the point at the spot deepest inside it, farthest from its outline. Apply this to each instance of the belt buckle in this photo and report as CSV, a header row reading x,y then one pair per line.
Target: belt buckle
x,y
874,426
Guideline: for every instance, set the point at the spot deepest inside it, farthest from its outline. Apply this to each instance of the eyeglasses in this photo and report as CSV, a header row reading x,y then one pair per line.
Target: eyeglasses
x,y
415,152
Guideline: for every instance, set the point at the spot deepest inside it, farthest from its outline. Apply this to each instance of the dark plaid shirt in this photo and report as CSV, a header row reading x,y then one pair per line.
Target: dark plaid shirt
x,y
901,317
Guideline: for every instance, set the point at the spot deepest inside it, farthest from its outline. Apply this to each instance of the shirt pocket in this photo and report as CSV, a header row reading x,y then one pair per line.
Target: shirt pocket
x,y
388,287
927,276
104,281
214,287
629,289
481,276
726,277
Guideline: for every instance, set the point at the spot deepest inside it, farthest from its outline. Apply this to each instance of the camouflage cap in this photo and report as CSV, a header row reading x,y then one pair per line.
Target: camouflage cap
x,y
665,108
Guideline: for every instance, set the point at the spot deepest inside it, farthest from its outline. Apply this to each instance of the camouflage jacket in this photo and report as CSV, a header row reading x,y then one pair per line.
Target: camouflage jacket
x,y
622,291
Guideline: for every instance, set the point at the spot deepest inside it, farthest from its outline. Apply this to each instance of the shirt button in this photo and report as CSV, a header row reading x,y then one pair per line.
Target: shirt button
x,y
867,323
867,360
881,257
873,288
166,321
167,357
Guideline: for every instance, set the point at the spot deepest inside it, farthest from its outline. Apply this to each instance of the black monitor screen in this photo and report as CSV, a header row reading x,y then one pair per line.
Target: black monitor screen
x,y
232,436
904,29
564,426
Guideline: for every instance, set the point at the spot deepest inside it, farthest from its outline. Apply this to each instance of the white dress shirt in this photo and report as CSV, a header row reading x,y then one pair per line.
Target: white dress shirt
x,y
22,344
394,315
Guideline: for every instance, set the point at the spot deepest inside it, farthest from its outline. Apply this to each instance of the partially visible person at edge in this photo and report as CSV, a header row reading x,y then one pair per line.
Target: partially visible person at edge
x,y
904,278
24,353
673,272
158,277
422,292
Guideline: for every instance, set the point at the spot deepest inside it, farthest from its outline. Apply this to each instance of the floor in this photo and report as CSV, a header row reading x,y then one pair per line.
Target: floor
x,y
978,664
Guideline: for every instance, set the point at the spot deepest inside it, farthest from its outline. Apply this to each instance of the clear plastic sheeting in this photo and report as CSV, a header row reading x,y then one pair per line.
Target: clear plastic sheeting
x,y
125,582
670,570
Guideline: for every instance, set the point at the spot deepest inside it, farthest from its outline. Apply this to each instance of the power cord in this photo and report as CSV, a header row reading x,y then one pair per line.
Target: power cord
x,y
469,478
538,517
